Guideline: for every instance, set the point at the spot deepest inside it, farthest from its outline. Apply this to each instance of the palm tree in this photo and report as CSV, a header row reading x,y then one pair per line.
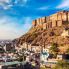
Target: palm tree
x,y
54,49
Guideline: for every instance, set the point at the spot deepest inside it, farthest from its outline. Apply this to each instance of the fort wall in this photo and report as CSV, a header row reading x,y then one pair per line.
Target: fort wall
x,y
54,20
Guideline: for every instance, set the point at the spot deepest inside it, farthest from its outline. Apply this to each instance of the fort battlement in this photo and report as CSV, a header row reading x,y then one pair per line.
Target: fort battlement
x,y
55,20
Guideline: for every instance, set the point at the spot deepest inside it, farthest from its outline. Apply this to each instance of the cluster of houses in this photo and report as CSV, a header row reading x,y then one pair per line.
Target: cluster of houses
x,y
6,51
7,46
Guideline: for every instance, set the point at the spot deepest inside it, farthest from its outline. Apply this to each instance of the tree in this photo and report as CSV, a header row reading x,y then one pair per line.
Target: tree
x,y
20,58
2,50
54,49
21,55
62,65
12,51
67,51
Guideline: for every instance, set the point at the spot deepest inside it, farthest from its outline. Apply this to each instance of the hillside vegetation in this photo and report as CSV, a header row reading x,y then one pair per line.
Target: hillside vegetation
x,y
39,36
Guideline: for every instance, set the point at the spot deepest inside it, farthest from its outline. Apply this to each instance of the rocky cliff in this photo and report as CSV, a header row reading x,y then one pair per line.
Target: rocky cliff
x,y
39,36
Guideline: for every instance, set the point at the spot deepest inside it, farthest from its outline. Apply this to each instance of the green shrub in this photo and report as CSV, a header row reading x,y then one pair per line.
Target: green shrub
x,y
62,65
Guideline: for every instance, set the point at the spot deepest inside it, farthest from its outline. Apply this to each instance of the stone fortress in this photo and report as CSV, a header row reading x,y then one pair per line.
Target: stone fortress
x,y
55,20
47,30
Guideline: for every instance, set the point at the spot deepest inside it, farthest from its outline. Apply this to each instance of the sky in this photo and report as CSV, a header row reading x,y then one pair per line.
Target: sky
x,y
16,16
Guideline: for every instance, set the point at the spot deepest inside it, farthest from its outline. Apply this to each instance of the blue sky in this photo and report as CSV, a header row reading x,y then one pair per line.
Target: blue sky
x,y
16,15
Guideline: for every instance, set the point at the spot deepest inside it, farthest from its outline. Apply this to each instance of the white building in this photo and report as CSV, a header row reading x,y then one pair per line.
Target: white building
x,y
44,55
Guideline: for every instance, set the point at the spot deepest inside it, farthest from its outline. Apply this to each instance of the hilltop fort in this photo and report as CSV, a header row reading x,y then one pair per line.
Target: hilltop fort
x,y
47,30
55,20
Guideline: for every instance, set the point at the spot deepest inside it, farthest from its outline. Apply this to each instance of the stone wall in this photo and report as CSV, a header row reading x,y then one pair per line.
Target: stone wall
x,y
54,20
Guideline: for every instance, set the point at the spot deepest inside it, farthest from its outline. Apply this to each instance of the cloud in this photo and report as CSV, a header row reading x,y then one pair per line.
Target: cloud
x,y
64,4
43,8
7,7
4,1
10,29
21,2
27,24
7,4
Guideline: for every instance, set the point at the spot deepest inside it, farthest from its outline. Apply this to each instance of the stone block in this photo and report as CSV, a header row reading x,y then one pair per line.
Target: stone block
x,y
64,18
59,16
53,23
34,23
44,26
48,18
53,17
43,19
59,23
38,22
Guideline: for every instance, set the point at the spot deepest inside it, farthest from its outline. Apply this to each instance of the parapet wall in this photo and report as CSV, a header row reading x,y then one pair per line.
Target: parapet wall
x,y
54,20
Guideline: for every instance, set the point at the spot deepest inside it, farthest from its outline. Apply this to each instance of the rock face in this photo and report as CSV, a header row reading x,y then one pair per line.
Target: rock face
x,y
48,30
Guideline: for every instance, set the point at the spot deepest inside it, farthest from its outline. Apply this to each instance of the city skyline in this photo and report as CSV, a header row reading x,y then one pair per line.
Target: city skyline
x,y
16,16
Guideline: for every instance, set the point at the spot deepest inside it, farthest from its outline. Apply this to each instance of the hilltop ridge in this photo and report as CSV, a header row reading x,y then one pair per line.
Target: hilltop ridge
x,y
48,30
